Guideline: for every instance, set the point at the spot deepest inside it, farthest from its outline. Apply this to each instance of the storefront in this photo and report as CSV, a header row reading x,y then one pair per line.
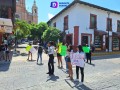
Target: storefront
x,y
99,40
116,41
5,29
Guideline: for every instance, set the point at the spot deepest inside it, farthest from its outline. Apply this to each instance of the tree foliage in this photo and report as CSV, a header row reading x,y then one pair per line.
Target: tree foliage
x,y
22,29
37,30
51,34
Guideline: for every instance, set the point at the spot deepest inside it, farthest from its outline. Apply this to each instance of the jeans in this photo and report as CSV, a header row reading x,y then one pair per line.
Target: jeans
x,y
66,63
51,64
39,56
82,73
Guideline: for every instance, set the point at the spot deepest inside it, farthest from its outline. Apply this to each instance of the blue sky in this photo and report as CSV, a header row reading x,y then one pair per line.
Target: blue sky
x,y
45,12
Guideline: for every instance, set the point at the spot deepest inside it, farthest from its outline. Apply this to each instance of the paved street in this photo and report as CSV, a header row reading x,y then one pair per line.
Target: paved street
x,y
20,74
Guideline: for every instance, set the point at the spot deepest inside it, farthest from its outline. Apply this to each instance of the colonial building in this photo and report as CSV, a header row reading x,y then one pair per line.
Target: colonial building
x,y
7,16
23,14
86,23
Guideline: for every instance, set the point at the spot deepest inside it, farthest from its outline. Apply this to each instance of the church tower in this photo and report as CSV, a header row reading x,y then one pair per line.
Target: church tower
x,y
35,12
20,9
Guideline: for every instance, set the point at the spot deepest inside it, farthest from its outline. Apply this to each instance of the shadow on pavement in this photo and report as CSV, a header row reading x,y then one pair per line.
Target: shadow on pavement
x,y
53,78
4,65
91,64
105,57
76,85
23,54
31,60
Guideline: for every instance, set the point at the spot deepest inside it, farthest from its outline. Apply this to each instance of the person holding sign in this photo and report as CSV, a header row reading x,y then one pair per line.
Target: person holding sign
x,y
28,48
87,50
81,64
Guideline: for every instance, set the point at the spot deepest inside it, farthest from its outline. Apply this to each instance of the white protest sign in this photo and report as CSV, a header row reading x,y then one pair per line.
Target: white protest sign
x,y
33,50
77,59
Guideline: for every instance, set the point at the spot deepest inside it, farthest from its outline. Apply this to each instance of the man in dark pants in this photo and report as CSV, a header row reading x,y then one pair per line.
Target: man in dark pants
x,y
51,58
88,55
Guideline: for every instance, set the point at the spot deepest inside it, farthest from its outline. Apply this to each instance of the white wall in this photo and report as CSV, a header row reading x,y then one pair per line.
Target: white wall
x,y
79,15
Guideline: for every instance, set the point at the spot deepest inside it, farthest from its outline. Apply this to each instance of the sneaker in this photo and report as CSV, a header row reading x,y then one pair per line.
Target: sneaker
x,y
48,73
76,80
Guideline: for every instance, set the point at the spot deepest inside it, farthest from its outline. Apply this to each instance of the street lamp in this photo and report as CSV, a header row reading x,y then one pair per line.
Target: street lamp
x,y
108,28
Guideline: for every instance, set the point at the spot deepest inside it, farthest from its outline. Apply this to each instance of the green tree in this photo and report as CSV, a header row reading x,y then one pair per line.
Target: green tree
x,y
22,29
51,34
37,30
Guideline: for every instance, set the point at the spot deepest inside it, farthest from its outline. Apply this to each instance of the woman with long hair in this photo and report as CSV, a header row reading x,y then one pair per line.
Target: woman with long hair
x,y
81,64
70,71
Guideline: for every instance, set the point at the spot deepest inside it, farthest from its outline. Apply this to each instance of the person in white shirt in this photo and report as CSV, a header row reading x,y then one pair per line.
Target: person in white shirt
x,y
81,64
51,49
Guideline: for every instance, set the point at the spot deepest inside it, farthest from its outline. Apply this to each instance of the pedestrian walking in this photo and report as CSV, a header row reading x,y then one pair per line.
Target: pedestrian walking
x,y
7,52
51,49
59,57
40,51
70,71
81,65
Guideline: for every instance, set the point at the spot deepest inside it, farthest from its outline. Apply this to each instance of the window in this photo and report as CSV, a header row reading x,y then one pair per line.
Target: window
x,y
109,24
93,21
118,25
54,25
66,23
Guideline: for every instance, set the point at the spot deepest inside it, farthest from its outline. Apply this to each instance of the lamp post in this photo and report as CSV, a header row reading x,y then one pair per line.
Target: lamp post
x,y
108,28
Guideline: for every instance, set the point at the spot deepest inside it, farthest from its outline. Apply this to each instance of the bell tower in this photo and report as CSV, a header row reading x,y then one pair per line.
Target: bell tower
x,y
35,12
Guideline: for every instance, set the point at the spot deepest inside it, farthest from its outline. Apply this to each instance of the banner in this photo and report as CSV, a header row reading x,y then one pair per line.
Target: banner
x,y
77,59
63,50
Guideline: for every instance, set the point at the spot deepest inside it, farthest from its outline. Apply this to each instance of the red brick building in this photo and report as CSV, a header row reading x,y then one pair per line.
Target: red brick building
x,y
23,14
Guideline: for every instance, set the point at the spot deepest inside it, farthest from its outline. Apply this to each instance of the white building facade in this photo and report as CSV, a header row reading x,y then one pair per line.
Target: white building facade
x,y
85,23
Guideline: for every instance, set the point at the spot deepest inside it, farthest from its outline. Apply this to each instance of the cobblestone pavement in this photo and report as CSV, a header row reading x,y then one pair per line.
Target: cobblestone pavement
x,y
20,74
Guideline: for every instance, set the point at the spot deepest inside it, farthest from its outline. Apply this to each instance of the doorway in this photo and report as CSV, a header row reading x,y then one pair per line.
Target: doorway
x,y
85,40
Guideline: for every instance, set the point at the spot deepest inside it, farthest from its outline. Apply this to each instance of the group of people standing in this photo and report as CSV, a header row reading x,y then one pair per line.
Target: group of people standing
x,y
52,49
69,49
4,52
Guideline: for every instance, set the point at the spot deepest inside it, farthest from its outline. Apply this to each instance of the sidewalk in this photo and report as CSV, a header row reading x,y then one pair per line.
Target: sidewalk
x,y
21,74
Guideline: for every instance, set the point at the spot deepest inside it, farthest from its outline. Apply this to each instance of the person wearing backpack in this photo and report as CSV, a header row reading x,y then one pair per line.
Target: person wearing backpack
x,y
40,51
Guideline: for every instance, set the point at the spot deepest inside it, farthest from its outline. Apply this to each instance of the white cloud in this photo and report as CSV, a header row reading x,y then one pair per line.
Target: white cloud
x,y
50,15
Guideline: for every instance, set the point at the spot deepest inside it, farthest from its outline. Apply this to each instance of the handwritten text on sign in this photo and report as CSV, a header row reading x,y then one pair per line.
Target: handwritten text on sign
x,y
77,59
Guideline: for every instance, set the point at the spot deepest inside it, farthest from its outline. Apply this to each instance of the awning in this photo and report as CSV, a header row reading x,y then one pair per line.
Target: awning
x,y
6,25
116,34
100,32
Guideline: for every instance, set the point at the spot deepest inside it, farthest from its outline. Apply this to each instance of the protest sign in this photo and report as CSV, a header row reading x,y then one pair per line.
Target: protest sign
x,y
33,50
77,59
63,50
86,49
